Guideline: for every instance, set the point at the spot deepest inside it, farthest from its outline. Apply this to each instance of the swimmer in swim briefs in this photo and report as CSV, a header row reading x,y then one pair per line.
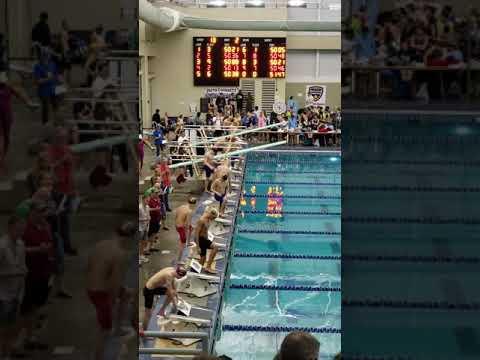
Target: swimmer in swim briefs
x,y
209,168
219,188
202,241
183,223
162,283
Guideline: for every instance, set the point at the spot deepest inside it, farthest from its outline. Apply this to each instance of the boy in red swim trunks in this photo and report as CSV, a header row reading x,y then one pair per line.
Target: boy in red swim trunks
x,y
105,275
183,223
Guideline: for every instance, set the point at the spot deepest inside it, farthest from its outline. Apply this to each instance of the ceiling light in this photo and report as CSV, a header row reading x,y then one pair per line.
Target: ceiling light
x,y
334,6
255,2
295,3
217,3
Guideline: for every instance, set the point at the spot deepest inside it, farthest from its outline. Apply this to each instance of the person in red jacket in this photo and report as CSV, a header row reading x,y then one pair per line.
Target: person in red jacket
x,y
39,258
62,162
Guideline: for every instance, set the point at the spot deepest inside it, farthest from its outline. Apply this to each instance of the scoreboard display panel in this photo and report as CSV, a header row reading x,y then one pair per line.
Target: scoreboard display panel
x,y
222,61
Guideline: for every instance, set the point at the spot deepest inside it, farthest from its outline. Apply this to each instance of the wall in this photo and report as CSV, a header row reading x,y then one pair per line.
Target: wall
x,y
334,96
80,14
172,87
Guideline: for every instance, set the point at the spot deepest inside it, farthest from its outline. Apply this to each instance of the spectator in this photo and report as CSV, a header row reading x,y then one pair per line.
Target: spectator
x,y
12,274
41,36
156,119
66,50
165,175
7,92
239,101
46,76
158,140
62,161
97,45
299,346
143,228
40,263
220,103
292,105
365,44
249,102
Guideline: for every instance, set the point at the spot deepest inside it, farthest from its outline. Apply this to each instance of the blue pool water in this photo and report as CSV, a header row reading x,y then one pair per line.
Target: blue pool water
x,y
309,228
425,169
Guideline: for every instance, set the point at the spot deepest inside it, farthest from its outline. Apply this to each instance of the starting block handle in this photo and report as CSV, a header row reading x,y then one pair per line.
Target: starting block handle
x,y
190,319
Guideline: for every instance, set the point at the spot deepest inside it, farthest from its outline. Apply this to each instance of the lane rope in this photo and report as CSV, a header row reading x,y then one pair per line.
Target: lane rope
x,y
419,220
411,188
295,196
414,259
404,304
253,231
363,258
274,328
251,182
292,212
286,256
411,162
284,287
292,172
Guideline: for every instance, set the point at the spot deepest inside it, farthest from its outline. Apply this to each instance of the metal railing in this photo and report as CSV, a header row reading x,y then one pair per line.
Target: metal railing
x,y
311,4
203,336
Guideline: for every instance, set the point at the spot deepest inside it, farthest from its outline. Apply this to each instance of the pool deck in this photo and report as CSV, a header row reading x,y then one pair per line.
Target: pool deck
x,y
211,302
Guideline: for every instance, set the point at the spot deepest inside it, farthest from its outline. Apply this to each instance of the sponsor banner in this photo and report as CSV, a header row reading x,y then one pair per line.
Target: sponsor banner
x,y
224,91
316,95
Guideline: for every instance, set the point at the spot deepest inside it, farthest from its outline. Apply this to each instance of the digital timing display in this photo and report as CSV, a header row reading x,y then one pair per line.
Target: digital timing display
x,y
222,61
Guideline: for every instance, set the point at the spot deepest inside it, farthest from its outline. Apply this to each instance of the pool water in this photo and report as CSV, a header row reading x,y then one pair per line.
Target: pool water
x,y
300,249
419,170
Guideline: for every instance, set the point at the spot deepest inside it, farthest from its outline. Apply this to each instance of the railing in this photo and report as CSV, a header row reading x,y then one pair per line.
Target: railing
x,y
441,71
176,335
229,251
332,5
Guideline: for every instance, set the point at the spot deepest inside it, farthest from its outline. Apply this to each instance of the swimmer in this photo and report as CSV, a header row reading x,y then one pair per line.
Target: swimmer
x,y
209,168
106,265
219,188
202,241
183,223
162,283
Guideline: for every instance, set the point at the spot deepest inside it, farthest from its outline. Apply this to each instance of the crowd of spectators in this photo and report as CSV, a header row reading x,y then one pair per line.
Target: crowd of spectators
x,y
39,232
311,125
415,34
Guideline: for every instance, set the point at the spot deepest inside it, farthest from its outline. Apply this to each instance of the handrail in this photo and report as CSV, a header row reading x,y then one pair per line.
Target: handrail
x,y
224,156
175,334
228,255
169,351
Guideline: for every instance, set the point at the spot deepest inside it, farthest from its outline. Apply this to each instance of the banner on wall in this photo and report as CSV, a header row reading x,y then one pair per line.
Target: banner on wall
x,y
224,91
316,95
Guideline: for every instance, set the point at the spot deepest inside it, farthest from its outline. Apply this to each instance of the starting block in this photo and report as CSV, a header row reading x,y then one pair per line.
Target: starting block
x,y
223,221
197,287
210,278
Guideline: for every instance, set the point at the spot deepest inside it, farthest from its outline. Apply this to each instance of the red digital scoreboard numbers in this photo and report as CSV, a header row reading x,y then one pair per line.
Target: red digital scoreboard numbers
x,y
223,61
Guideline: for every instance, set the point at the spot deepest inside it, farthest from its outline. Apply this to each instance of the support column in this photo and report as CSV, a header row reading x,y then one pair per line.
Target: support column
x,y
19,27
146,111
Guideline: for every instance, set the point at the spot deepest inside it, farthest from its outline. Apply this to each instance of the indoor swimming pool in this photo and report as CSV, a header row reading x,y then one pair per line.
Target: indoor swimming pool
x,y
285,270
409,226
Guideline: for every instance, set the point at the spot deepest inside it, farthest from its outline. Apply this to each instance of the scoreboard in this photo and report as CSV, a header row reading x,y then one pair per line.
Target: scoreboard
x,y
222,61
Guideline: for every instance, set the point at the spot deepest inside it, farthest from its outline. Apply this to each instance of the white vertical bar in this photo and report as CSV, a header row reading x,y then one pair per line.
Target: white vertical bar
x,y
317,65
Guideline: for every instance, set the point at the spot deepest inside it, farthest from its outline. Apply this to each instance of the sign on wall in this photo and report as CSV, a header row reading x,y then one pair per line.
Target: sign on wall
x,y
224,91
316,95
